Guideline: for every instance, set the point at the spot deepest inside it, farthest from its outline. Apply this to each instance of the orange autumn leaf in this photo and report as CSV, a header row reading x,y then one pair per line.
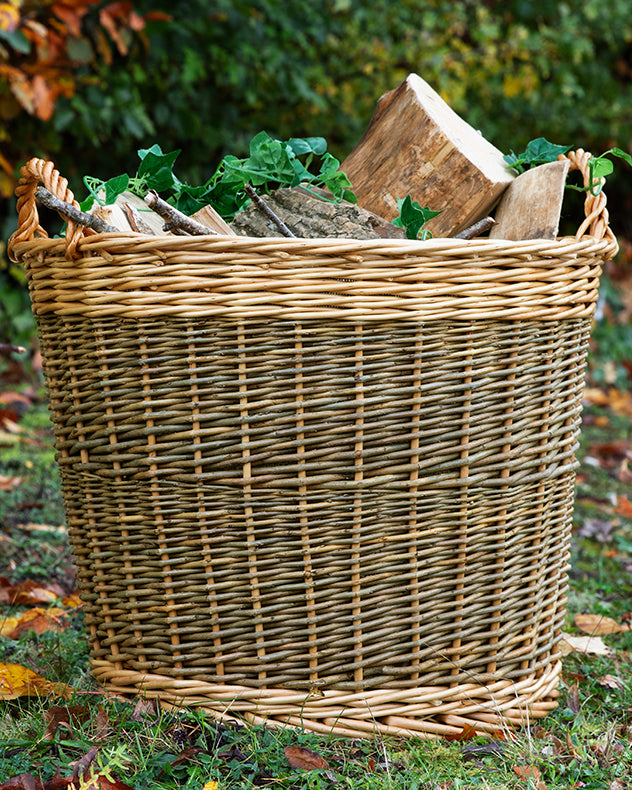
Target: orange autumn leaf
x,y
305,759
72,601
466,733
624,507
530,772
40,620
18,681
598,624
29,592
7,624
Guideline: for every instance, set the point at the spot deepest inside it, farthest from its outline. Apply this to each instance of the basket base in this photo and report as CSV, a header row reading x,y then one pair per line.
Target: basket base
x,y
423,712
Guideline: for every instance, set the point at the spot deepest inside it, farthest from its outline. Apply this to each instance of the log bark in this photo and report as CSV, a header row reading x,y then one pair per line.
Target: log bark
x,y
416,144
310,217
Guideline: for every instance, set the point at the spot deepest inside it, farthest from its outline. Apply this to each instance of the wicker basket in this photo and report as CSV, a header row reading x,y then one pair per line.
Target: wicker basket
x,y
321,483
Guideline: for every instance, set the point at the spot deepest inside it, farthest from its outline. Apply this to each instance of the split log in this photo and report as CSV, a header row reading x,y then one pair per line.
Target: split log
x,y
417,145
310,217
531,206
209,217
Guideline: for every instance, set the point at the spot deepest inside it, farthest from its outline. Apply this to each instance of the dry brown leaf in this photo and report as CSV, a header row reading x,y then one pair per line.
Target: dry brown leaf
x,y
66,715
102,729
40,620
305,759
22,782
7,482
598,624
145,708
611,682
29,592
592,645
530,772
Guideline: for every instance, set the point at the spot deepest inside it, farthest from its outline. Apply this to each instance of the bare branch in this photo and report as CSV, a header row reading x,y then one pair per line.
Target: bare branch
x,y
175,218
263,206
68,211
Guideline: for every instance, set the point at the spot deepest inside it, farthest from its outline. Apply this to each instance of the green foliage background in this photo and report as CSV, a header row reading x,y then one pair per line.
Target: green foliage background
x,y
219,72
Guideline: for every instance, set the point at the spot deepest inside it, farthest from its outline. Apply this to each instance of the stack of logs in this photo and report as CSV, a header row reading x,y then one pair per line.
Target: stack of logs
x,y
414,145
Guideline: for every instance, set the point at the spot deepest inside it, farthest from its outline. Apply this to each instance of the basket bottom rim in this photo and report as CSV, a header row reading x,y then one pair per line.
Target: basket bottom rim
x,y
422,712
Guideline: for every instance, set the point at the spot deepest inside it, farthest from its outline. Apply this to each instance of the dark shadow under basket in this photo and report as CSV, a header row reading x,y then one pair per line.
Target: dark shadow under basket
x,y
322,483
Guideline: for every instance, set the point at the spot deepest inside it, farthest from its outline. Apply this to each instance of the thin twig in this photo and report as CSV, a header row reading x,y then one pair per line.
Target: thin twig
x,y
68,211
175,218
476,229
4,347
263,206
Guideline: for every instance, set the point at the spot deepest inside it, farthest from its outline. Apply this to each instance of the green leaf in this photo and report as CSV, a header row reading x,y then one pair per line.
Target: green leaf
x,y
115,187
307,145
412,216
538,152
601,166
155,149
156,170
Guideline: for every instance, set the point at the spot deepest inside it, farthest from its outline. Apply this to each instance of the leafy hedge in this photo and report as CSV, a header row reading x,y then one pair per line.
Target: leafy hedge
x,y
206,77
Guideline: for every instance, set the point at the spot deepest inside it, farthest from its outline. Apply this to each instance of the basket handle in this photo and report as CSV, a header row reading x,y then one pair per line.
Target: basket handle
x,y
33,173
597,218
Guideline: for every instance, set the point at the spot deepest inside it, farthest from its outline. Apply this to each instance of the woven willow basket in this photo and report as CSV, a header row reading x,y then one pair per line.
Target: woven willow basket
x,y
319,483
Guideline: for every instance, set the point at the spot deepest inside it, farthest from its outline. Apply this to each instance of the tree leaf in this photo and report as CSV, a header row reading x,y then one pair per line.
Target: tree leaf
x,y
591,645
18,681
598,624
305,759
307,145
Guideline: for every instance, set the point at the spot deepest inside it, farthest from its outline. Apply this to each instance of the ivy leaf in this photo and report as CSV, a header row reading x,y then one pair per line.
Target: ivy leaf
x,y
538,152
412,216
603,167
115,187
156,169
307,145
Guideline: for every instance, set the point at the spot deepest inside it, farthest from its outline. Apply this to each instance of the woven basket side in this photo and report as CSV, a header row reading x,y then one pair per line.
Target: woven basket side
x,y
303,506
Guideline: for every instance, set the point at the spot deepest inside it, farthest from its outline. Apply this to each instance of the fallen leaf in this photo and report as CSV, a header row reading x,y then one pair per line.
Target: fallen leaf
x,y
466,733
210,785
611,682
530,772
8,483
22,782
572,699
145,708
592,645
598,624
40,620
7,625
29,592
624,474
18,681
72,601
305,759
624,507
597,529
63,715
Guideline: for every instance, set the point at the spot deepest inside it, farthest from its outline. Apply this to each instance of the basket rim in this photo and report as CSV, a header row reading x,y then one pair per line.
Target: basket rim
x,y
131,242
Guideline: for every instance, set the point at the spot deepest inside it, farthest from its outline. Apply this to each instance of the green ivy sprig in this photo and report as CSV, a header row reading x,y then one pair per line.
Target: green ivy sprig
x,y
270,165
541,151
412,216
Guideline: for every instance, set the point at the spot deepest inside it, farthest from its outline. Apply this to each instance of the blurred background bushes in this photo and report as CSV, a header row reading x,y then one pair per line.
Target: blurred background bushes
x,y
88,83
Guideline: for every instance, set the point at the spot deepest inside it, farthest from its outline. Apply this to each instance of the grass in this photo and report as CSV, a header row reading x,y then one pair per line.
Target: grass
x,y
586,742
